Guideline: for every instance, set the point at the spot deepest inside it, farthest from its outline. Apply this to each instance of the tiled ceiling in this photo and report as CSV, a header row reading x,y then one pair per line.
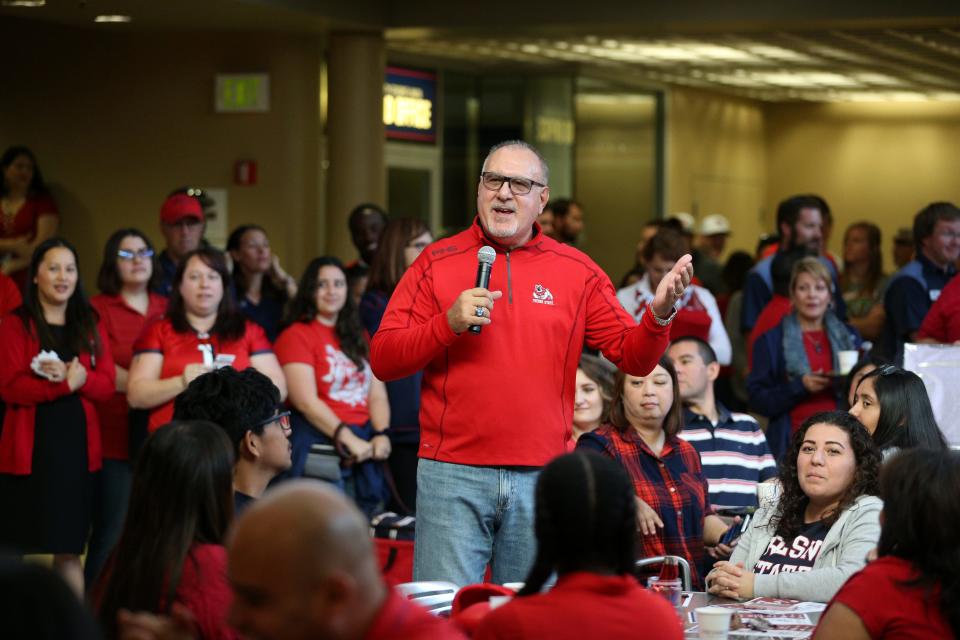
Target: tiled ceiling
x,y
903,64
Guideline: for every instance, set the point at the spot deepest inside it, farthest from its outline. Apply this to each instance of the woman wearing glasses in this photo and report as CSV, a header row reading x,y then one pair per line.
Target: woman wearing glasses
x,y
894,407
126,304
201,331
402,241
170,554
334,392
262,287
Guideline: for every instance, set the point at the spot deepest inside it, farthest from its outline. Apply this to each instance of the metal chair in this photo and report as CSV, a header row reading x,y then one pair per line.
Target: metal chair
x,y
681,562
434,596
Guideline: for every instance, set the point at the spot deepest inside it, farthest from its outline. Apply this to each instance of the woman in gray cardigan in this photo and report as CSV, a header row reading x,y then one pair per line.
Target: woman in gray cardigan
x,y
826,521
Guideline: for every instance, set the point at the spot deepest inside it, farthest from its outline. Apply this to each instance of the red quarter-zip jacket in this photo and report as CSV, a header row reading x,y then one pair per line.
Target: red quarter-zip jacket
x,y
505,397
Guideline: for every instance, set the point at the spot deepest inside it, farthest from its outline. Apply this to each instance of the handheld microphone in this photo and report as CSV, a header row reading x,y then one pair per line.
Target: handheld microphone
x,y
485,257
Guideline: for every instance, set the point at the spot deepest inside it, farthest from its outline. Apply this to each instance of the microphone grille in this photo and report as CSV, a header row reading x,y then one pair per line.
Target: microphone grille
x,y
486,255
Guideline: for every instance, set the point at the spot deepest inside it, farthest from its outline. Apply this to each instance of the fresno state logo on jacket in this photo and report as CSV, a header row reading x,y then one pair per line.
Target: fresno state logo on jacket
x,y
542,295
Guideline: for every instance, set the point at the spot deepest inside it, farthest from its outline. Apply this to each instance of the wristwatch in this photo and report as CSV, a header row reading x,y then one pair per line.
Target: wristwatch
x,y
664,321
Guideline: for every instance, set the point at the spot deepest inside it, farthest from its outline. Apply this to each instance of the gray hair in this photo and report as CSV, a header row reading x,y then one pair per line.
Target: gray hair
x,y
544,170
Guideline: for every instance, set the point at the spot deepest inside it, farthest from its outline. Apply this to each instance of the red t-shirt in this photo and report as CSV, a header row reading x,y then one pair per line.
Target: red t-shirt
x,y
123,325
400,619
584,605
24,223
890,609
205,591
9,294
942,322
341,385
180,349
820,357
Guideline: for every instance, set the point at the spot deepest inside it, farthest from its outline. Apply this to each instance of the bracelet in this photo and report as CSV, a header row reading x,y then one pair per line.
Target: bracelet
x,y
336,432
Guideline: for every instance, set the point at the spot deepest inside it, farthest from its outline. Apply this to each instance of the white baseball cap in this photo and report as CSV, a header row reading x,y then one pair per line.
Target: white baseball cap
x,y
714,224
686,220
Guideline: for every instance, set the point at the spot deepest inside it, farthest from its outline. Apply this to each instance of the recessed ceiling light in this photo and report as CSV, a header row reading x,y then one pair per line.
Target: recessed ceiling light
x,y
112,18
23,3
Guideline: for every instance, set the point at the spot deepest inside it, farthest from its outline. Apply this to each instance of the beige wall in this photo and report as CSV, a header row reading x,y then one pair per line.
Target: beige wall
x,y
615,177
118,119
717,160
879,162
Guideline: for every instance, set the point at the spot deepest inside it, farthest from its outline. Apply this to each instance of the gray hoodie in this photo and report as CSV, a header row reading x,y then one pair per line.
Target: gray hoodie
x,y
843,553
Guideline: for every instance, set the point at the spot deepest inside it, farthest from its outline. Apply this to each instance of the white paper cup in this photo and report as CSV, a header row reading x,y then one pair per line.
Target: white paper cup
x,y
846,360
714,622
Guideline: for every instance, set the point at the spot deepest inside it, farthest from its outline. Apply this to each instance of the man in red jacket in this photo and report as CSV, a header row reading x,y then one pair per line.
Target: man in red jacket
x,y
498,406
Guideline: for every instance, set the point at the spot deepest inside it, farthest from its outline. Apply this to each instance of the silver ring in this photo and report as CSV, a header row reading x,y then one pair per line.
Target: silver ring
x,y
480,311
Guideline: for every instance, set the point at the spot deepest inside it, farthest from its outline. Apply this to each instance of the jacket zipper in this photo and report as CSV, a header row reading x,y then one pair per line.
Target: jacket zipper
x,y
509,281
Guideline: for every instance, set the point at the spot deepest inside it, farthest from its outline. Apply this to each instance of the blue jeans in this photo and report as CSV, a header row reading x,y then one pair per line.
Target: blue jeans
x,y
470,516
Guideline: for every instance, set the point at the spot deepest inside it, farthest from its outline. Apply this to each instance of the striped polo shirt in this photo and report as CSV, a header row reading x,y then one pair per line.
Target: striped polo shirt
x,y
734,455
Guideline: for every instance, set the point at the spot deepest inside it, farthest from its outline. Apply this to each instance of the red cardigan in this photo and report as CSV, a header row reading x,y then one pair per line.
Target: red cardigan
x,y
22,390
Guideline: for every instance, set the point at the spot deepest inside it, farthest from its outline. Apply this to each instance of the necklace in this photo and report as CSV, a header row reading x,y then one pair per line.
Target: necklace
x,y
814,340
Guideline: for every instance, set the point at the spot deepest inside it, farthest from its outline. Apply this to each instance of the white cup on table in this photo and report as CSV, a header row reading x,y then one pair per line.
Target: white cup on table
x,y
846,360
713,622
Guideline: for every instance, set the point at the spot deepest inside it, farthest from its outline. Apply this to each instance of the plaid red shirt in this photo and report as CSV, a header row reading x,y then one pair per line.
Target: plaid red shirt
x,y
672,484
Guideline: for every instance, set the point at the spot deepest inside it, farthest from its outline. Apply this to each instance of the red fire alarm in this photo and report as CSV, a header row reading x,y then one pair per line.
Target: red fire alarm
x,y
245,172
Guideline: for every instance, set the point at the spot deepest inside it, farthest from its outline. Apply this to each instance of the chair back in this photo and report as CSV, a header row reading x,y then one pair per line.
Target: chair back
x,y
682,562
434,596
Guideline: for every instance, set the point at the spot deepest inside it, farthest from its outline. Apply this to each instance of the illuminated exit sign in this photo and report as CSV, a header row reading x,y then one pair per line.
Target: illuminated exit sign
x,y
409,105
242,93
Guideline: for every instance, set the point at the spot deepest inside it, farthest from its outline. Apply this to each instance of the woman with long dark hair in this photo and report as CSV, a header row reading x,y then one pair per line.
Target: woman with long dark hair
x,y
126,304
594,393
335,394
401,242
29,214
913,588
585,527
819,532
54,364
261,285
201,331
893,405
671,489
863,281
171,548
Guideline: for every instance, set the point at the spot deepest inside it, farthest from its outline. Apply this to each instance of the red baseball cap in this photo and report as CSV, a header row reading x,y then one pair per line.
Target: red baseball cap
x,y
180,206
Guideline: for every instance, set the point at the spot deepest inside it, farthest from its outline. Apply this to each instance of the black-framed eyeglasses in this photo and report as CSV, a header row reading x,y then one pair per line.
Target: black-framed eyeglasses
x,y
123,254
282,418
518,186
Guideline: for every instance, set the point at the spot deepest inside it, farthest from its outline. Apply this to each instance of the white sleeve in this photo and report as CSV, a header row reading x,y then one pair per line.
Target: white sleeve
x,y
719,339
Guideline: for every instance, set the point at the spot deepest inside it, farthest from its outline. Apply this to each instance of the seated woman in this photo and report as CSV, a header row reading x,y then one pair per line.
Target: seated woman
x,y
790,379
30,215
591,402
585,529
864,365
201,331
171,548
336,397
645,417
826,521
894,407
261,285
913,589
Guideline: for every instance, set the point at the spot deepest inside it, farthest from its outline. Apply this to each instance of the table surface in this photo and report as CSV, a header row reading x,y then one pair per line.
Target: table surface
x,y
701,599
